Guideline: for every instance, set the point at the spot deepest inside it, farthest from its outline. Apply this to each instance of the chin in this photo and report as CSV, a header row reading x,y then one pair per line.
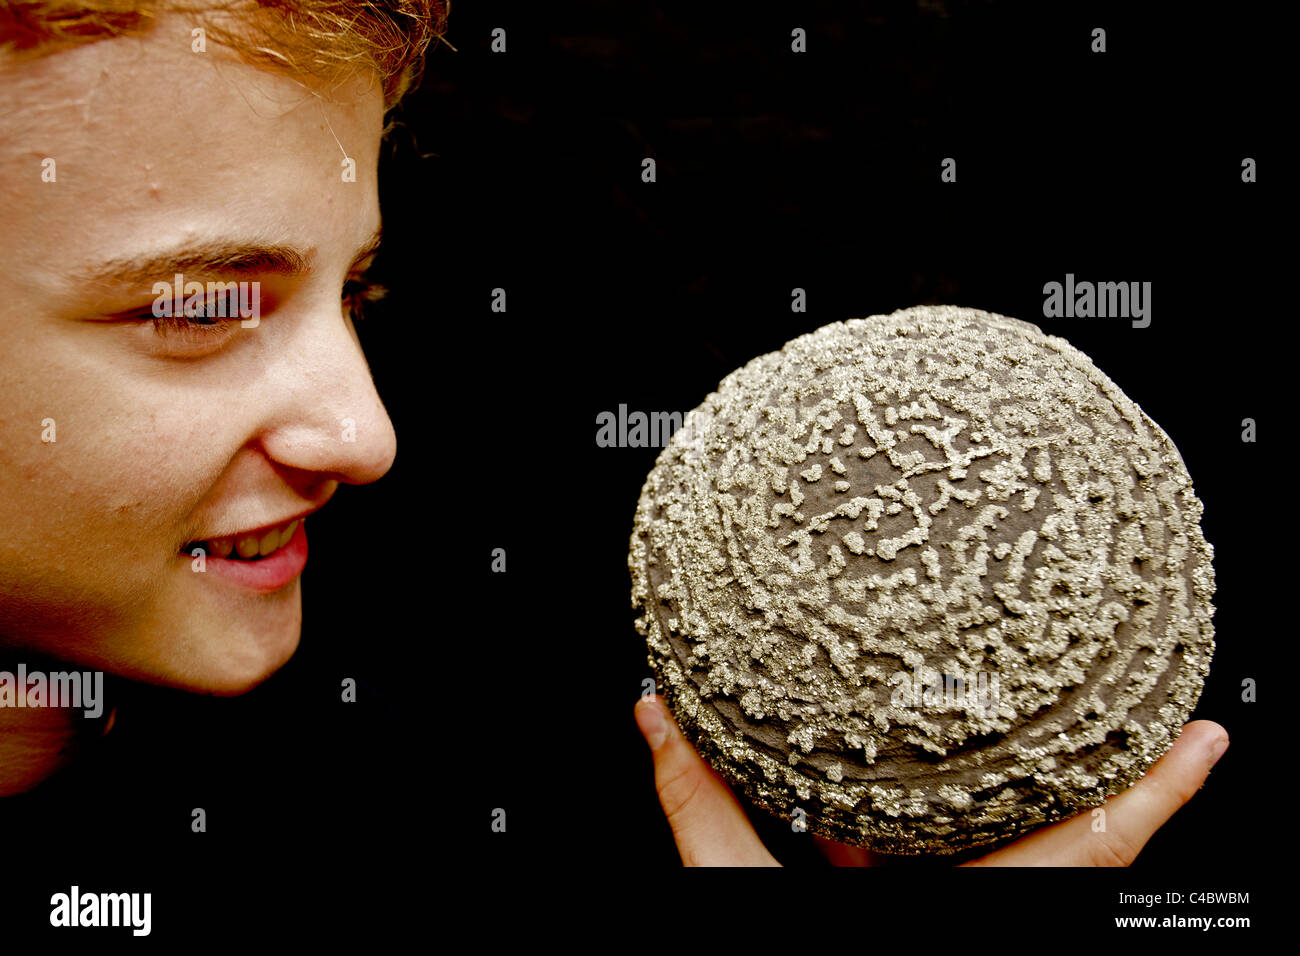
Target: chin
x,y
245,667
224,651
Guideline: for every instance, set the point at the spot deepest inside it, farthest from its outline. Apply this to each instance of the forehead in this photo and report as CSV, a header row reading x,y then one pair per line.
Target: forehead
x,y
153,143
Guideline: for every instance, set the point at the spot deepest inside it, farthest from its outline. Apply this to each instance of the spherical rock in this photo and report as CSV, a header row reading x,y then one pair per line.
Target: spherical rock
x,y
930,578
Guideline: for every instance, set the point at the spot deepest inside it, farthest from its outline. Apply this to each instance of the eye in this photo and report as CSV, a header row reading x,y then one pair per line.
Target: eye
x,y
211,323
193,328
358,293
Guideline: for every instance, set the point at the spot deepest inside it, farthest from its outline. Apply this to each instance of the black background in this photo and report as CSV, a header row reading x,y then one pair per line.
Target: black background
x,y
818,171
775,170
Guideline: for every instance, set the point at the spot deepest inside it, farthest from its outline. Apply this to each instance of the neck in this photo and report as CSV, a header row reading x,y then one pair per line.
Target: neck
x,y
37,739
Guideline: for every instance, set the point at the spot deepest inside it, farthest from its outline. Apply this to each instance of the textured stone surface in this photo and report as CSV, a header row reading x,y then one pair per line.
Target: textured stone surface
x,y
886,501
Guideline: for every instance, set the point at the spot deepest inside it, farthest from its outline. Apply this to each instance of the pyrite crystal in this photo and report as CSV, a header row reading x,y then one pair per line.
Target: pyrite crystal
x,y
930,578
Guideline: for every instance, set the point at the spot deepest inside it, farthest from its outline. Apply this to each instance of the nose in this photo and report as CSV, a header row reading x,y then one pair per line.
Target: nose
x,y
328,417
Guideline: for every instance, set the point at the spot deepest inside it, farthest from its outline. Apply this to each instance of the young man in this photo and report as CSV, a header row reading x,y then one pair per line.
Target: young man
x,y
190,205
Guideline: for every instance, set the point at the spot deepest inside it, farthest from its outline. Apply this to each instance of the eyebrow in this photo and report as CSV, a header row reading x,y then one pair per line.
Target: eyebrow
x,y
215,258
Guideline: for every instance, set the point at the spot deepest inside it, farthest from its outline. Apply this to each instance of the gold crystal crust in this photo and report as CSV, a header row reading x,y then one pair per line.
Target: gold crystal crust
x,y
852,536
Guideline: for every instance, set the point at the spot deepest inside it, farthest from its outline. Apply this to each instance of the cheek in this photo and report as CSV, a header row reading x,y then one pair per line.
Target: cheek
x,y
91,523
101,507
98,450
144,476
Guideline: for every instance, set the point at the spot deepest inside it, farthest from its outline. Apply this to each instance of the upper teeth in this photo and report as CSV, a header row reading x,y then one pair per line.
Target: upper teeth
x,y
251,545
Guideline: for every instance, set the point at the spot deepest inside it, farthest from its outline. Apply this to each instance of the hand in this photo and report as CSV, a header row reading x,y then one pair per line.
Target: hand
x,y
711,828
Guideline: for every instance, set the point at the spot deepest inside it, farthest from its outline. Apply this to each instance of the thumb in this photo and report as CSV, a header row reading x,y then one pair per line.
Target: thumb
x,y
709,825
1115,834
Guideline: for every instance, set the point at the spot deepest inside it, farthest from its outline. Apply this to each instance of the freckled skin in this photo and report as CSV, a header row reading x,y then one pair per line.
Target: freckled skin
x,y
156,144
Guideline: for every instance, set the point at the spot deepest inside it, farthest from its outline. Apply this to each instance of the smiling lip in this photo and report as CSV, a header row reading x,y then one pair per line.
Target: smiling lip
x,y
267,574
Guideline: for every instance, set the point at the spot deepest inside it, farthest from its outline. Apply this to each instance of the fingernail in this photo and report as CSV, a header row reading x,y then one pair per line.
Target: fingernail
x,y
650,718
1216,750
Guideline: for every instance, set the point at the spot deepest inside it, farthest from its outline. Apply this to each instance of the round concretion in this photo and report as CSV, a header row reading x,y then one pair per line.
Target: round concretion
x,y
924,581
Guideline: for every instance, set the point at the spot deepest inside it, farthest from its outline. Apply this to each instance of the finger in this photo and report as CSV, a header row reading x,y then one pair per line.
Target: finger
x,y
842,854
1130,818
708,824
